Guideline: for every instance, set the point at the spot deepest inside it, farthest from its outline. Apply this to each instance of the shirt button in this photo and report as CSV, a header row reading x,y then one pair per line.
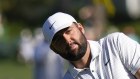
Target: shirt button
x,y
92,70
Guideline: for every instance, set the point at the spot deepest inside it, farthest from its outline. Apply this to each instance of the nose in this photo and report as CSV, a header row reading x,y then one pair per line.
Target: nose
x,y
67,38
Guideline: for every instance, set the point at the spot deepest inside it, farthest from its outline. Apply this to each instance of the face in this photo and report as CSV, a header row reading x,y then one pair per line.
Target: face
x,y
70,43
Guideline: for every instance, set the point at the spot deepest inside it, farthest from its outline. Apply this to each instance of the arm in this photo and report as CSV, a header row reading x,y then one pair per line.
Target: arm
x,y
138,74
130,54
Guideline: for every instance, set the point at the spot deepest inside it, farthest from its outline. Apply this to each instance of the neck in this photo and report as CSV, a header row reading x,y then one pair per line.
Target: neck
x,y
84,62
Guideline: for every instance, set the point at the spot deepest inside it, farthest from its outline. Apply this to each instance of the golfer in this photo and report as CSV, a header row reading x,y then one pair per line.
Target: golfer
x,y
115,56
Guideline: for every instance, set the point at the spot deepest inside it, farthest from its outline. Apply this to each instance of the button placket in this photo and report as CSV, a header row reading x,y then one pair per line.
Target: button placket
x,y
92,69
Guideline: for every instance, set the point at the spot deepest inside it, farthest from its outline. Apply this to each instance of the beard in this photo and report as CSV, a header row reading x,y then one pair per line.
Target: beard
x,y
82,47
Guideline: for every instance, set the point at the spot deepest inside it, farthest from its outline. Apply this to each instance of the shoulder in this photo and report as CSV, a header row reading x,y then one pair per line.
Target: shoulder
x,y
120,38
114,40
113,37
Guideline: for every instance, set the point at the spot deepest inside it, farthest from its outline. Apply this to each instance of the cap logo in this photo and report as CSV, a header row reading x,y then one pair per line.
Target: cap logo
x,y
51,26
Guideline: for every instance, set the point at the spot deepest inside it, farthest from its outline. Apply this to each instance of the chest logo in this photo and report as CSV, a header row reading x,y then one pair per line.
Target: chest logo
x,y
107,62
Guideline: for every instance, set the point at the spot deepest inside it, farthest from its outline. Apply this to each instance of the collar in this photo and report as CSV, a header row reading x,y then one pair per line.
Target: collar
x,y
95,49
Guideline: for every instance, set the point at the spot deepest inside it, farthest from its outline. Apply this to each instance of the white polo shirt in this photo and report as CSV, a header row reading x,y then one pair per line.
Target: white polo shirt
x,y
115,56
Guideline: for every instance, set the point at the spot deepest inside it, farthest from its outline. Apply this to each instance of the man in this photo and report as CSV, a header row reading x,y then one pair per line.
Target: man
x,y
115,56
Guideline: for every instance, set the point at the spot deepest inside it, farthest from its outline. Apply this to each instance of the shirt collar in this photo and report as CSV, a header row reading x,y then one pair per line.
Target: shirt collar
x,y
94,46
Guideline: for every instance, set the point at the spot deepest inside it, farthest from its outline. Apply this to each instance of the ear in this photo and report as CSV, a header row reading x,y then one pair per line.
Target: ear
x,y
81,28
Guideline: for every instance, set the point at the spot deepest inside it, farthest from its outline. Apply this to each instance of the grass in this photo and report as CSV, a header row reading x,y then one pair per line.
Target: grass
x,y
14,70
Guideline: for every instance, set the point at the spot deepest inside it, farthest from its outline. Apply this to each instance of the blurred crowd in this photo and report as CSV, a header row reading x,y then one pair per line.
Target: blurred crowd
x,y
35,50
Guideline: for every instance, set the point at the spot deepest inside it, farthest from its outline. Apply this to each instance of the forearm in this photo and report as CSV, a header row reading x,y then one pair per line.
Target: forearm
x,y
138,74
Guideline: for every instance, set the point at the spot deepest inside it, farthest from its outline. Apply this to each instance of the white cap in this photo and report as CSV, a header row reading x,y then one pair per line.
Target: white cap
x,y
55,23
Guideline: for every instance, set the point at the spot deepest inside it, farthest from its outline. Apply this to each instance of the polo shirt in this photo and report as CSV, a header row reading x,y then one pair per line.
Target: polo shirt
x,y
115,56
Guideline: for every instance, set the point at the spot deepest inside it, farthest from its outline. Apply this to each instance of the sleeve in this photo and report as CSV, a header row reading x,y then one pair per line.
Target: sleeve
x,y
129,51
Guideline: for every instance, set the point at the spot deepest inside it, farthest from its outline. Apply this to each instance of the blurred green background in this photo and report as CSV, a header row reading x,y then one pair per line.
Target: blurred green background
x,y
16,15
12,70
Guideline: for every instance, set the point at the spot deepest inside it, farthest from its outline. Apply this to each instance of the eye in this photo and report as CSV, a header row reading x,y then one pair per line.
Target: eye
x,y
68,31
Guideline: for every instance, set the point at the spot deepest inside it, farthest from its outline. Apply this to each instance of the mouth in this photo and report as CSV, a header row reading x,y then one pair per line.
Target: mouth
x,y
73,46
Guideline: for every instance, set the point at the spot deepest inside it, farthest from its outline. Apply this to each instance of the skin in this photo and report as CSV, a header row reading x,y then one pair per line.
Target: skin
x,y
69,39
138,74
